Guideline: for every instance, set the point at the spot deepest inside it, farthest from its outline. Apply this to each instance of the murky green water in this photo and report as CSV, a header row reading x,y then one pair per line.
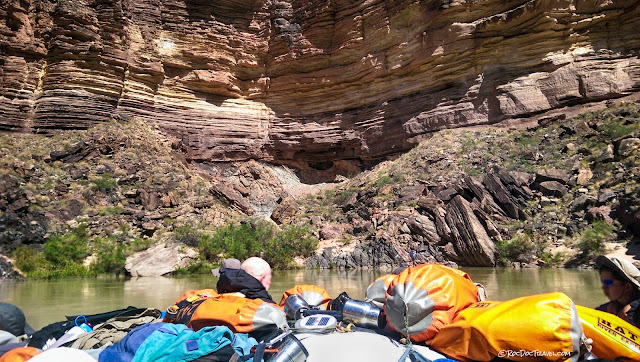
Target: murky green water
x,y
45,301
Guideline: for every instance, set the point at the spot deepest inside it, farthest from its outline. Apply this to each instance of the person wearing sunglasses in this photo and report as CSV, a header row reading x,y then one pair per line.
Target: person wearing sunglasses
x,y
621,284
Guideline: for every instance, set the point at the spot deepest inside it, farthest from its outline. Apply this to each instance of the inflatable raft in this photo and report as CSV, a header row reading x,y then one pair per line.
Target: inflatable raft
x,y
359,346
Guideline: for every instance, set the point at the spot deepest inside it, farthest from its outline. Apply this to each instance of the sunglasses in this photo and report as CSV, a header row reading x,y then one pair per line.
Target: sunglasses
x,y
608,282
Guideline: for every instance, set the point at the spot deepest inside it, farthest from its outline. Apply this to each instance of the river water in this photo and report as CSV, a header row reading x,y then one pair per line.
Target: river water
x,y
47,301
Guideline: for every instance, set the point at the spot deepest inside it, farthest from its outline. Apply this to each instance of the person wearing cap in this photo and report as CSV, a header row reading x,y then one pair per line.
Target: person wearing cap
x,y
251,278
12,320
621,284
15,332
231,263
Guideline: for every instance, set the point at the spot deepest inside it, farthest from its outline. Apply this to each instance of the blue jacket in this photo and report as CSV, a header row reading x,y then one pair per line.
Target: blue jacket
x,y
176,342
127,347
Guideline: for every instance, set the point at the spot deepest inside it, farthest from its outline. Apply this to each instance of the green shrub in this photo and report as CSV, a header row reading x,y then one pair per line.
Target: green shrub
x,y
592,240
236,241
105,184
255,239
550,258
67,249
383,180
398,178
614,128
28,259
196,267
520,248
66,271
467,145
110,256
527,140
139,244
472,170
187,235
289,243
111,210
345,195
210,248
63,256
329,194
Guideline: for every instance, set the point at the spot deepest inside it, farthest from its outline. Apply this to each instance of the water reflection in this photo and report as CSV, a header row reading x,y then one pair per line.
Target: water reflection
x,y
582,286
47,301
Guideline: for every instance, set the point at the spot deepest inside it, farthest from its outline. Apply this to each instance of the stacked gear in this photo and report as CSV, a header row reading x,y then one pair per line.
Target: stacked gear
x,y
422,299
313,295
427,304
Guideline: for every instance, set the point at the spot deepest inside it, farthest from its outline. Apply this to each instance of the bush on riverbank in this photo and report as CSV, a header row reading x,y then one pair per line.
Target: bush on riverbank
x,y
60,256
278,247
520,248
64,255
289,243
592,240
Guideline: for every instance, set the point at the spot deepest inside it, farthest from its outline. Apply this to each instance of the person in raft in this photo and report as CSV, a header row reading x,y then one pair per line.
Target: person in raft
x,y
621,284
252,278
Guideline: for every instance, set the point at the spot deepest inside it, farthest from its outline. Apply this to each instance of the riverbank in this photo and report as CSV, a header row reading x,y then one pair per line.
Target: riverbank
x,y
122,197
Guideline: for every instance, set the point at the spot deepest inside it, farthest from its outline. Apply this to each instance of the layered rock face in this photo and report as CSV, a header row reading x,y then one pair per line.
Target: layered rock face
x,y
308,81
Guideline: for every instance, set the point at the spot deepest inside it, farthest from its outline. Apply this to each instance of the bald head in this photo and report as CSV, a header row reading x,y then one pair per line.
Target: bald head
x,y
259,269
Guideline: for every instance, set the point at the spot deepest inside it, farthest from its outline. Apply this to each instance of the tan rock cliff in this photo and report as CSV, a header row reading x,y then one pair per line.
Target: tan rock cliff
x,y
308,81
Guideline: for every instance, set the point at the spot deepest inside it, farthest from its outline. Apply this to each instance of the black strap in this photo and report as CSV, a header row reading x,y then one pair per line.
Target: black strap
x,y
259,352
257,356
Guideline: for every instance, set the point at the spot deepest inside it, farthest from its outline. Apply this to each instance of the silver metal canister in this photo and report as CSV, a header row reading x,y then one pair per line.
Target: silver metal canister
x,y
363,314
290,350
294,305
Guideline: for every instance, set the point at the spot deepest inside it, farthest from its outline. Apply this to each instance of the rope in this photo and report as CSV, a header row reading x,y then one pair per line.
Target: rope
x,y
340,328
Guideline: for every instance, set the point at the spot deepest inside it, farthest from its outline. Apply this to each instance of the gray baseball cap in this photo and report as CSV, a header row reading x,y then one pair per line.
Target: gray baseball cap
x,y
231,263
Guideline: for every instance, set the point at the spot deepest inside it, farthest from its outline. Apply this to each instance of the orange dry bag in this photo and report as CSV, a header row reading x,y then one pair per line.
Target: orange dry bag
x,y
377,291
240,314
19,354
312,294
184,307
612,337
200,293
422,299
541,327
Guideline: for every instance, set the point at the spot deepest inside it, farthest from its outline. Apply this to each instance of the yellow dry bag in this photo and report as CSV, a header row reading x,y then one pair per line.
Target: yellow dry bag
x,y
541,327
612,337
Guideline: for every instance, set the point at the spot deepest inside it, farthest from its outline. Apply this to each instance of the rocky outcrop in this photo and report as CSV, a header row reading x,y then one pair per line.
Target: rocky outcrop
x,y
160,259
470,240
451,224
529,197
308,82
19,223
7,270
232,197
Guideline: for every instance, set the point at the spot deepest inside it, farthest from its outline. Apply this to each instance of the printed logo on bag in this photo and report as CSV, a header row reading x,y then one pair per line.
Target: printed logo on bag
x,y
619,331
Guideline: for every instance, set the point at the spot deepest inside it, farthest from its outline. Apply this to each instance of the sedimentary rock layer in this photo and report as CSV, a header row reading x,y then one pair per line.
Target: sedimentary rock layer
x,y
308,80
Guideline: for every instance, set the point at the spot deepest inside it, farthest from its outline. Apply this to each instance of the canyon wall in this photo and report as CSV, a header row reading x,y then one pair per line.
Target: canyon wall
x,y
309,82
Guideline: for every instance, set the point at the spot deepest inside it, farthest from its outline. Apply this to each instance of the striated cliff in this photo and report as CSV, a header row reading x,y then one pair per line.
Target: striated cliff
x,y
309,82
